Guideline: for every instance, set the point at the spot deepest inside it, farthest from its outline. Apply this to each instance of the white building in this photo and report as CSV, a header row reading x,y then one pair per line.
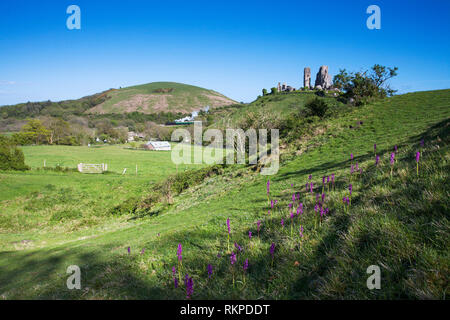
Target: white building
x,y
158,145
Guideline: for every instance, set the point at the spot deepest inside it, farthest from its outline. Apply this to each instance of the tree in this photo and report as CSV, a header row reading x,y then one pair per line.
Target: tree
x,y
58,130
36,131
380,75
11,158
273,90
365,86
264,92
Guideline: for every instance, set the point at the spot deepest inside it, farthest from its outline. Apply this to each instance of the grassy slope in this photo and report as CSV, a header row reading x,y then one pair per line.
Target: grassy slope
x,y
398,223
184,98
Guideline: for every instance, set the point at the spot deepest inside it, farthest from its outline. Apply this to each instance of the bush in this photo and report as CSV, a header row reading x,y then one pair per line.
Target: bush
x,y
11,157
316,107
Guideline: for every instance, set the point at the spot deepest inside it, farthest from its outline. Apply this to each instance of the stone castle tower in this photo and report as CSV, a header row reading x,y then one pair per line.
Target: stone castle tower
x,y
307,78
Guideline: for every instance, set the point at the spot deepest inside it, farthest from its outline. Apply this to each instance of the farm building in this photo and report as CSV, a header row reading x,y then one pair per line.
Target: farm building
x,y
158,145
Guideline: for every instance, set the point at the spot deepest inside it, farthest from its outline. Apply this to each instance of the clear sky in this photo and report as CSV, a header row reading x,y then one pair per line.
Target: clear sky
x,y
234,47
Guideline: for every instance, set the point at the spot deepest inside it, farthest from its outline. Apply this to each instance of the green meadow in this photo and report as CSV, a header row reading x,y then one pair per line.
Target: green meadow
x,y
398,218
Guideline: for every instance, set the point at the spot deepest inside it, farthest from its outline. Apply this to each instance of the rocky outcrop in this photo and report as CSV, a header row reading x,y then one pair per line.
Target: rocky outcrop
x,y
307,78
323,79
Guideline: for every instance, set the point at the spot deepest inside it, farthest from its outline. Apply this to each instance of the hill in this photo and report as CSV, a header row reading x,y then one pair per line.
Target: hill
x,y
398,220
160,97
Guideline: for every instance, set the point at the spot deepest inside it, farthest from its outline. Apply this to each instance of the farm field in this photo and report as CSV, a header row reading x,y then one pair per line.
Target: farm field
x,y
398,219
47,206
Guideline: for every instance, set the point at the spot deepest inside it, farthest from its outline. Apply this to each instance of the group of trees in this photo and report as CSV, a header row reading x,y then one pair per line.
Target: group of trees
x,y
366,86
51,131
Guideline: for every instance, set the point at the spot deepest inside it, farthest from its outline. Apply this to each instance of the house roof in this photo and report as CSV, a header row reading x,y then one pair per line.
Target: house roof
x,y
159,144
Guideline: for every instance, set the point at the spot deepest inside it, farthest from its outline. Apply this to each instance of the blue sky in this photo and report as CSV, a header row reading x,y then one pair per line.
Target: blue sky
x,y
234,47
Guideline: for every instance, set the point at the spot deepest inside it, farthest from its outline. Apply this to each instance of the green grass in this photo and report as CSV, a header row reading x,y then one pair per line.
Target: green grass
x,y
399,223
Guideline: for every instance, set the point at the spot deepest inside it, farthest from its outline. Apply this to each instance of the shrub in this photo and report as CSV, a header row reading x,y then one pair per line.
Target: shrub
x,y
11,157
316,107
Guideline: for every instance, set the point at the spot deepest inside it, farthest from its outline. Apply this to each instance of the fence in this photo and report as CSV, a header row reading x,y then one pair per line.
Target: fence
x,y
92,168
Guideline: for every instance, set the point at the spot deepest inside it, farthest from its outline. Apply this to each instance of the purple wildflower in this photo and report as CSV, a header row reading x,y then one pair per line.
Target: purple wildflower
x,y
323,197
237,246
311,186
417,156
328,179
392,158
271,204
375,147
258,223
293,197
351,169
175,281
282,222
301,231
321,212
272,249
310,177
210,270
377,159
189,288
228,225
316,208
323,180
232,258
143,251
356,168
268,187
422,143
180,252
129,250
351,156
174,271
395,148
250,235
245,267
350,188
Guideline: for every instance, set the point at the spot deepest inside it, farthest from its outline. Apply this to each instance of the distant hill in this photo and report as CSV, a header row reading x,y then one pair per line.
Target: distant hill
x,y
159,97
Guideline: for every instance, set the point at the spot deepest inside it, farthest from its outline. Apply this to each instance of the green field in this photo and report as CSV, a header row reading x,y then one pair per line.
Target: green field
x,y
398,220
30,199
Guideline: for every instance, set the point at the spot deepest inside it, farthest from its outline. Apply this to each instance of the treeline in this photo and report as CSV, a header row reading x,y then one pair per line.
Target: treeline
x,y
52,131
53,109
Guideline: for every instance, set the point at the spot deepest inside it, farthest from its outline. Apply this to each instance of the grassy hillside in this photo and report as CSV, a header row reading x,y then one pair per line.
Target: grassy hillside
x,y
160,97
397,220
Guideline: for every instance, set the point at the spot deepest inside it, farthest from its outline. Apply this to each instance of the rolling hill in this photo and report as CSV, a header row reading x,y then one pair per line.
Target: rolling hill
x,y
159,97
